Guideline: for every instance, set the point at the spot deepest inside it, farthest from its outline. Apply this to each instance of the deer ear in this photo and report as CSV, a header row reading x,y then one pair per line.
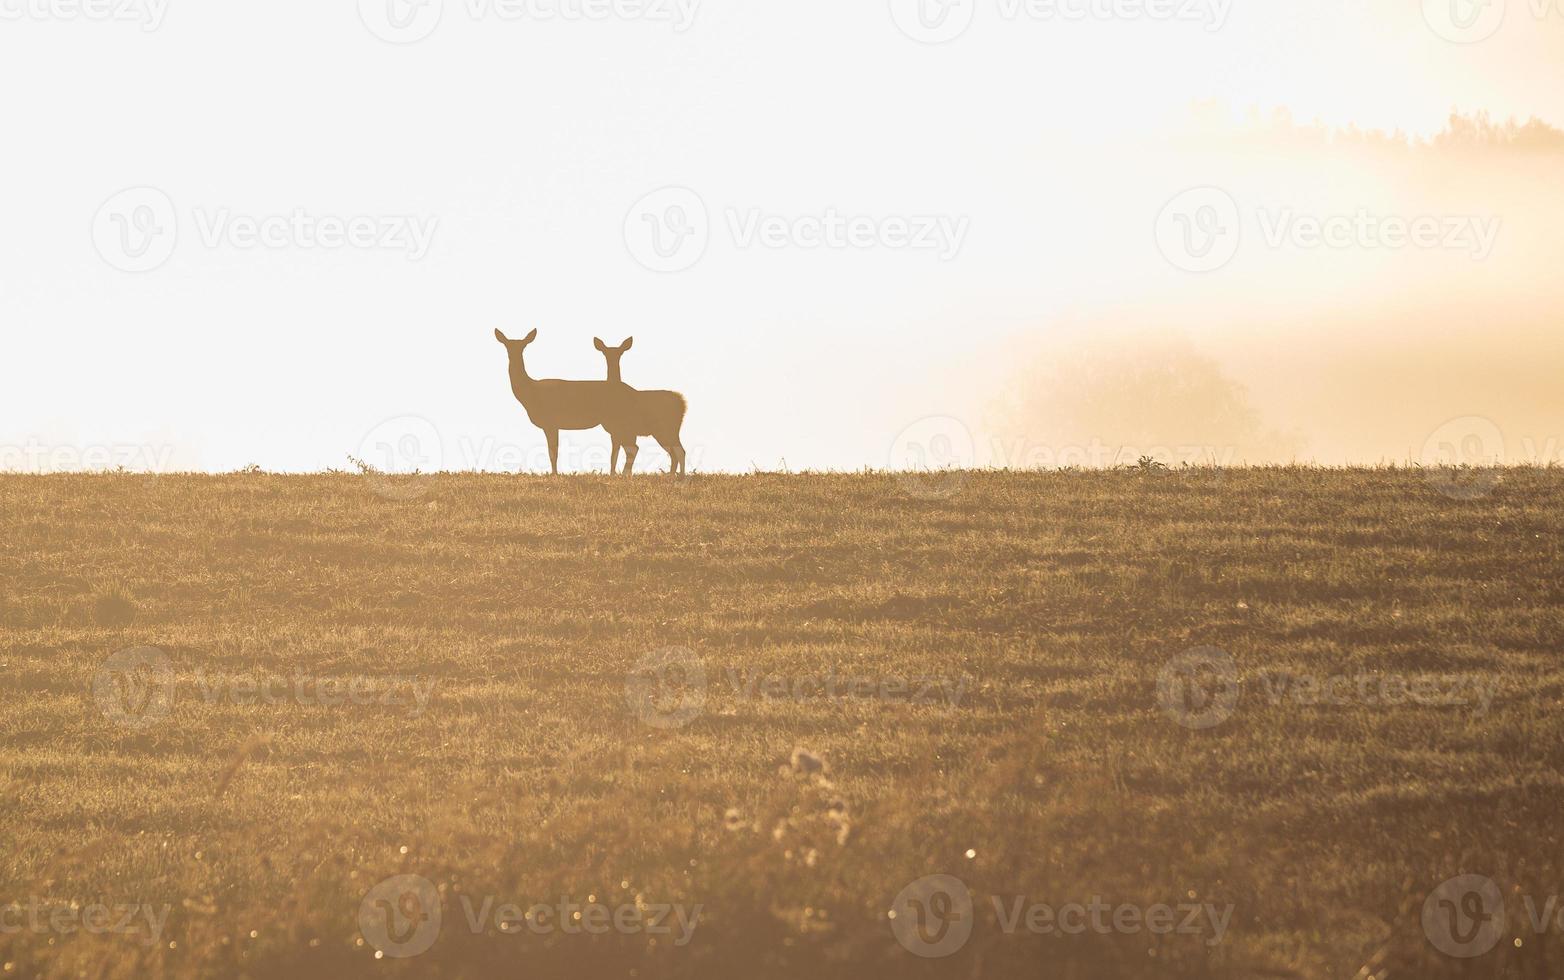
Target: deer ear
x,y
629,343
498,335
530,337
598,343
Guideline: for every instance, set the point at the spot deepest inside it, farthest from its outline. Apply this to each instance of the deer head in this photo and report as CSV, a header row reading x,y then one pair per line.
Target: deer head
x,y
515,346
613,354
516,349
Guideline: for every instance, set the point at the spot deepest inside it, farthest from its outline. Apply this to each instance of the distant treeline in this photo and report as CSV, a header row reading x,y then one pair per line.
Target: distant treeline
x,y
1461,133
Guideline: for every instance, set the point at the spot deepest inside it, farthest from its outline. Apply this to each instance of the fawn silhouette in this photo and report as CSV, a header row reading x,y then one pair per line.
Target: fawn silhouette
x,y
659,414
556,405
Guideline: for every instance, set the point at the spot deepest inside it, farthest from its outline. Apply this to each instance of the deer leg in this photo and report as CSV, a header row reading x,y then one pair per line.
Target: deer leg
x,y
632,450
676,453
672,448
553,450
613,461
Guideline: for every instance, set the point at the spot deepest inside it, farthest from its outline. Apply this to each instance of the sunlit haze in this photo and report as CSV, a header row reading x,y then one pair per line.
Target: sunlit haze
x,y
890,248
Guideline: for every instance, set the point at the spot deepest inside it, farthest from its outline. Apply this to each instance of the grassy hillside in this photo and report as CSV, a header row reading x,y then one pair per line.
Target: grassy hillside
x,y
782,699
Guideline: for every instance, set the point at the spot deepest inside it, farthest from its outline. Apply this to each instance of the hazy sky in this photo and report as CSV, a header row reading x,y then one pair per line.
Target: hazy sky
x,y
818,226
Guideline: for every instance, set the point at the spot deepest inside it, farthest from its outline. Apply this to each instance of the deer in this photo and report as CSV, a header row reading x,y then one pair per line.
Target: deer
x,y
659,414
555,405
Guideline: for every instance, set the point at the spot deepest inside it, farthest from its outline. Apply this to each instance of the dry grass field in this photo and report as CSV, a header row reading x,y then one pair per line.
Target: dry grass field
x,y
716,727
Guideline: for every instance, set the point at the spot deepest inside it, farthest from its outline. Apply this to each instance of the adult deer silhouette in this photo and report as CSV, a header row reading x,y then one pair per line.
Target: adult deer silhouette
x,y
659,414
556,405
